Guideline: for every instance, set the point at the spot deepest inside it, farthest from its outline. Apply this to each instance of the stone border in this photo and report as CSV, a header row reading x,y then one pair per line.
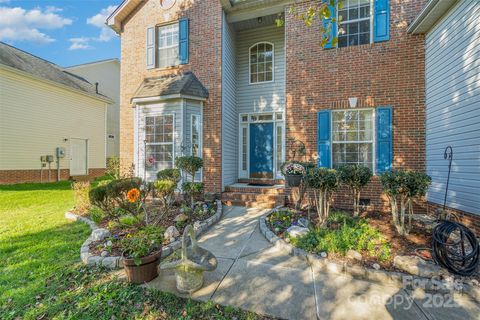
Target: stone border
x,y
364,273
115,262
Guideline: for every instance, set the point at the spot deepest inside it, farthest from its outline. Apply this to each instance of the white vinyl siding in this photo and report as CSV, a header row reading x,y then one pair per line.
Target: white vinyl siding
x,y
453,113
229,109
260,97
37,117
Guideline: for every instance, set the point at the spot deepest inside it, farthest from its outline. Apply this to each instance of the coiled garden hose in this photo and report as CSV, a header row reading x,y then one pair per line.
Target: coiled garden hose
x,y
455,248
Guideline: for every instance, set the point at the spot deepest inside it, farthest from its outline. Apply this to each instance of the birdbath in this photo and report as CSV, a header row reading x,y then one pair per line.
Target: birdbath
x,y
193,263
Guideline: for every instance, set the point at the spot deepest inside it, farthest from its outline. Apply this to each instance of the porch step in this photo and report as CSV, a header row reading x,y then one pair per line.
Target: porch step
x,y
254,196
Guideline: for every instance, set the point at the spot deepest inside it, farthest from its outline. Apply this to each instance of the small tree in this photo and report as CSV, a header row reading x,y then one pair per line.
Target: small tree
x,y
355,177
173,175
113,168
406,186
190,165
166,191
324,182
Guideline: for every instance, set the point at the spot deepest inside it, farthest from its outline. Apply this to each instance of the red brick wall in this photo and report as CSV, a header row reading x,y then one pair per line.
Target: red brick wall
x,y
205,61
22,176
470,220
389,73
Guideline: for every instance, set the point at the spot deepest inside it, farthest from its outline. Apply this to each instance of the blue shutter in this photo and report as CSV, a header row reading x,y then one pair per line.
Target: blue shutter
x,y
333,27
183,38
384,139
323,138
381,21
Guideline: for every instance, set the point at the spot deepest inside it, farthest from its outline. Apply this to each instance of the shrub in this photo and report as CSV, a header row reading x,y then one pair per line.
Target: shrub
x,y
98,197
169,174
405,185
96,214
324,182
166,191
192,189
81,195
190,165
355,177
113,168
353,234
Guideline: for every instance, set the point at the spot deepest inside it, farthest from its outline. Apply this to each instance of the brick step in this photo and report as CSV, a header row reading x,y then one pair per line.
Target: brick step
x,y
266,190
251,196
270,181
253,204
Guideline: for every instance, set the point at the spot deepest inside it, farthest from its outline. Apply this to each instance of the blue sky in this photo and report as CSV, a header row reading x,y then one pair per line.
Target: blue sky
x,y
66,32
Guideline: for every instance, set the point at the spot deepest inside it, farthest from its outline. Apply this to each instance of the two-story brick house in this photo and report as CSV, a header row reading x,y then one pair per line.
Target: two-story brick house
x,y
220,80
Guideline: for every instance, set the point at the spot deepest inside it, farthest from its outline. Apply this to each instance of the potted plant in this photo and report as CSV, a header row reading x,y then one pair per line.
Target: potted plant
x,y
141,248
293,173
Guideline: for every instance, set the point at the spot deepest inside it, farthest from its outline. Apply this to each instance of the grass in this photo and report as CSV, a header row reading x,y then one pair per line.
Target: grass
x,y
41,276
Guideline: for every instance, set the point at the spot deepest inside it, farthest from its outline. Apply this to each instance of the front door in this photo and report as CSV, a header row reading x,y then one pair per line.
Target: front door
x,y
78,157
261,150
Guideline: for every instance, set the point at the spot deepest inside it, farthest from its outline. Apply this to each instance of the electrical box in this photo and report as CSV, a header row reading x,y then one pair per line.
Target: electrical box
x,y
43,158
49,158
60,152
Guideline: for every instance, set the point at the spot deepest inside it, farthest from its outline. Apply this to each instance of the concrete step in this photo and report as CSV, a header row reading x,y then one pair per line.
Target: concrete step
x,y
253,204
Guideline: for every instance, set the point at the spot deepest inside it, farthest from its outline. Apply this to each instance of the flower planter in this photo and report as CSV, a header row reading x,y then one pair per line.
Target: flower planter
x,y
146,271
293,180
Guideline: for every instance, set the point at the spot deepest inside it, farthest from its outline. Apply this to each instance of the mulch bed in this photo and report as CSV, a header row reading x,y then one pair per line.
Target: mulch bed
x,y
419,238
154,210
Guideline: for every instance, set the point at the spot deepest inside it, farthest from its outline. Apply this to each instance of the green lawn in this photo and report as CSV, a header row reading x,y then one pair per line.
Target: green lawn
x,y
41,276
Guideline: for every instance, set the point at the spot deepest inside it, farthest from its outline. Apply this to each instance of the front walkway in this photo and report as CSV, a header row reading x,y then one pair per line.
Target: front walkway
x,y
254,275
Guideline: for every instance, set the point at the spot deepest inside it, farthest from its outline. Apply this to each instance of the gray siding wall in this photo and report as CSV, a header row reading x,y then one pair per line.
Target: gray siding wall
x,y
260,97
453,106
229,110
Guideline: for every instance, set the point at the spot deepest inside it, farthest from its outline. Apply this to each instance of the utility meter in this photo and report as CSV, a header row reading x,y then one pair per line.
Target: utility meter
x,y
43,158
60,152
49,158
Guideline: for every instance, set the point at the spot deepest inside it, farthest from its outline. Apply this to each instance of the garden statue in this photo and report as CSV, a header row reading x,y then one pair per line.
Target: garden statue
x,y
193,263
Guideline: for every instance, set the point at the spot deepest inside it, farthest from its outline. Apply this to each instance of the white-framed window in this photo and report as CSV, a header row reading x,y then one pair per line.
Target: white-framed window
x,y
353,137
261,62
355,22
159,144
195,135
168,52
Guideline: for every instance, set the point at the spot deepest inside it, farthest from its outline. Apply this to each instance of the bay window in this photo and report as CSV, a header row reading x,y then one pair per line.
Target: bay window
x,y
159,142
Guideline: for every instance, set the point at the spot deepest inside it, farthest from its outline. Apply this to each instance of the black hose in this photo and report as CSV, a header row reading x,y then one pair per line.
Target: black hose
x,y
460,256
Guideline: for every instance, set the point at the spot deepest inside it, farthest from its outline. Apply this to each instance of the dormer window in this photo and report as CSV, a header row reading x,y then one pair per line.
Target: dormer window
x,y
261,62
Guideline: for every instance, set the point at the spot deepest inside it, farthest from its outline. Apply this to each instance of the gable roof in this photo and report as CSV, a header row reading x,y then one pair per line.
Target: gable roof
x,y
46,70
172,86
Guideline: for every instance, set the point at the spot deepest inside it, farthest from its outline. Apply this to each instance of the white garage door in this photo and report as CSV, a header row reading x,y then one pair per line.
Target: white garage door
x,y
78,157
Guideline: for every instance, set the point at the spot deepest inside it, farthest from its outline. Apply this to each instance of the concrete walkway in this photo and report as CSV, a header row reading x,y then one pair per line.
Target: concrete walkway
x,y
254,275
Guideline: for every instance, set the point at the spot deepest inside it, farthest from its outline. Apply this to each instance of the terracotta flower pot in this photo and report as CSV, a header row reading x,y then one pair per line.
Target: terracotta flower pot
x,y
293,180
146,271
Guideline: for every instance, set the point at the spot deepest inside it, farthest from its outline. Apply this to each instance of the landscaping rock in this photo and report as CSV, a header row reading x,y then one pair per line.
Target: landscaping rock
x,y
110,262
296,231
355,255
417,266
104,254
109,243
323,254
100,234
182,217
171,232
376,266
303,222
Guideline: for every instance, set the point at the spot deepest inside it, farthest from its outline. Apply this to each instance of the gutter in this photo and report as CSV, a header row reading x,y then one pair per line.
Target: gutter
x,y
437,8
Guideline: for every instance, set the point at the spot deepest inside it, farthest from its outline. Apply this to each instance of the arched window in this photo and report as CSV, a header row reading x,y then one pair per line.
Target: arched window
x,y
261,62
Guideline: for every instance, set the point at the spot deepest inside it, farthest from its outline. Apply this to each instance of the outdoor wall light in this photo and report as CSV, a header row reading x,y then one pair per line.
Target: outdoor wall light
x,y
353,102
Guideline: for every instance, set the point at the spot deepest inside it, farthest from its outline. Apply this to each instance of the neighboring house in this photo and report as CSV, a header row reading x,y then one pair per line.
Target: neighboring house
x,y
47,111
452,67
361,101
107,74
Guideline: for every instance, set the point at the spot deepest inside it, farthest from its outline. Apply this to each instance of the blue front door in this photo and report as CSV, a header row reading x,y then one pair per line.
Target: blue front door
x,y
261,150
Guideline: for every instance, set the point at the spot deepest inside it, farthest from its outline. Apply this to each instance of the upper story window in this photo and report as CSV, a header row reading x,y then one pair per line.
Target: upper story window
x,y
261,62
355,22
168,45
